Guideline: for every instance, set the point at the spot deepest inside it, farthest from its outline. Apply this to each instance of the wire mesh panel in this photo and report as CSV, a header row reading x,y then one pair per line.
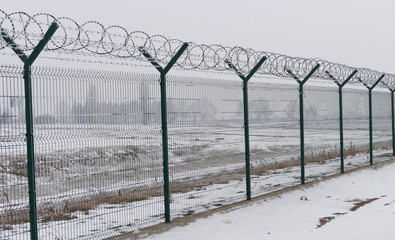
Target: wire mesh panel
x,y
98,145
322,135
14,210
275,131
274,134
97,155
98,137
382,135
206,144
356,127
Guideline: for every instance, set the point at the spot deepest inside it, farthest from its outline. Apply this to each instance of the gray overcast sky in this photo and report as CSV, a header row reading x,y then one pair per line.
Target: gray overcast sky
x,y
358,33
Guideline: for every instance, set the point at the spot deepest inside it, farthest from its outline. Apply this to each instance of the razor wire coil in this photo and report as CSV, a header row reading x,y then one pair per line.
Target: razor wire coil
x,y
116,41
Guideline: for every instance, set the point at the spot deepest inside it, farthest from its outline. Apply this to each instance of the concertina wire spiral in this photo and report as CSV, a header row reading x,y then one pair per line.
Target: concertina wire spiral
x,y
27,30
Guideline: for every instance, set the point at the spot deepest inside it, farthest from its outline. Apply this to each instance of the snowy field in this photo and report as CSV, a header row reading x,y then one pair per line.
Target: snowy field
x,y
355,206
214,177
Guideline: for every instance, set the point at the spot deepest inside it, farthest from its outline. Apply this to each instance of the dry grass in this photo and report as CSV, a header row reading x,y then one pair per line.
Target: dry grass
x,y
360,204
63,217
321,158
49,165
261,169
187,151
66,209
14,216
324,221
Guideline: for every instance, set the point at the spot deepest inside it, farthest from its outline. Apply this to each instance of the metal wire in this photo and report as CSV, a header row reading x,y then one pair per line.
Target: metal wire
x,y
97,133
117,41
98,158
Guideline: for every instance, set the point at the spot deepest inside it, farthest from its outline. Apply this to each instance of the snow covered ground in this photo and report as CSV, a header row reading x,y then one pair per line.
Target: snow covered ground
x,y
204,191
359,205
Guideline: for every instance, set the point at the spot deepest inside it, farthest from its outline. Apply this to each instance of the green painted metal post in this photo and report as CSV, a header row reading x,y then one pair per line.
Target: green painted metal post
x,y
165,142
301,117
341,129
370,128
246,120
370,88
28,62
165,146
392,117
301,122
392,121
247,140
30,152
341,85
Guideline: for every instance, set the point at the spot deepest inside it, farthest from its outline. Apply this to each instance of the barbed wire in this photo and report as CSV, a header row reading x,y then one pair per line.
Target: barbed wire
x,y
27,30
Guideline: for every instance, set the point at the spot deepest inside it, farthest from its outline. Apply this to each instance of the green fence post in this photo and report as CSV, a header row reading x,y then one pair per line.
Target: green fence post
x,y
392,116
28,62
392,121
246,119
165,145
370,128
301,117
370,88
341,85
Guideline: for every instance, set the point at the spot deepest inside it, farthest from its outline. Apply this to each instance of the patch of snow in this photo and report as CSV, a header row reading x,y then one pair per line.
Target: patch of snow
x,y
296,215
